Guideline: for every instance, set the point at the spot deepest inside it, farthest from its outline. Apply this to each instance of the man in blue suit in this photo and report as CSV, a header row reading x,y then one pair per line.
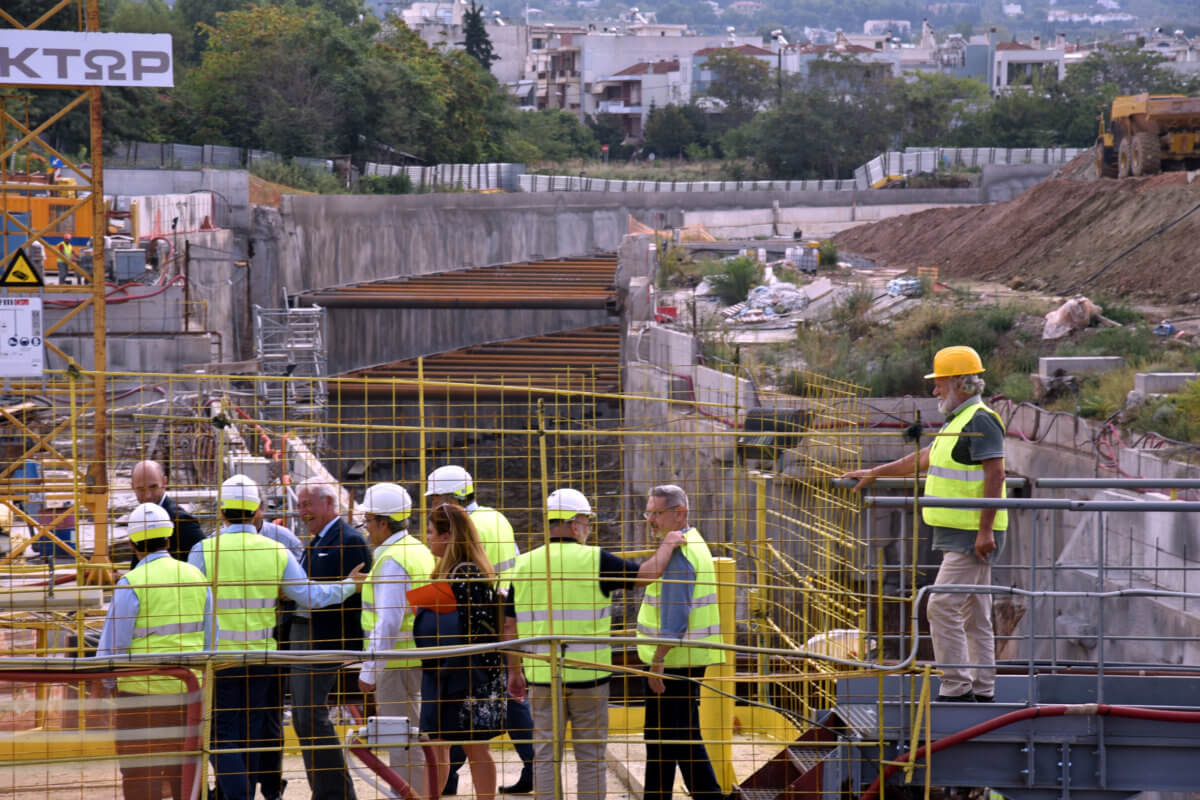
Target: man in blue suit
x,y
332,551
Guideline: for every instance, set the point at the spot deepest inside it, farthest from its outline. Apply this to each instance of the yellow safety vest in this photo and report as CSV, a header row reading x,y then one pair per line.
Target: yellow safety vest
x,y
496,536
246,569
950,478
568,603
68,252
171,596
704,615
416,560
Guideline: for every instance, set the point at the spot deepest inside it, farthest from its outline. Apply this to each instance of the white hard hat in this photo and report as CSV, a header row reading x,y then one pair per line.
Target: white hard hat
x,y
240,493
567,503
387,500
150,521
450,479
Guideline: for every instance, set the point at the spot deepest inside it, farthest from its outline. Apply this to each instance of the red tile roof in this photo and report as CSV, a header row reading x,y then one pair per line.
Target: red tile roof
x,y
651,67
1013,46
744,49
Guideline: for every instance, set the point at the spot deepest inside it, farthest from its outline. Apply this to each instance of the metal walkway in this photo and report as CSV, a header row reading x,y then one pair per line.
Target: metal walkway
x,y
1025,746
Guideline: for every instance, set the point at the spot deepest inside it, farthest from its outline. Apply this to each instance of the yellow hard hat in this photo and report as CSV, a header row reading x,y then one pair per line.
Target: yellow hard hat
x,y
957,360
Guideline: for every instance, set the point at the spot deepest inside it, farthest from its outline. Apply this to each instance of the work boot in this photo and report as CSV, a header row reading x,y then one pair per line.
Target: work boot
x,y
957,698
524,784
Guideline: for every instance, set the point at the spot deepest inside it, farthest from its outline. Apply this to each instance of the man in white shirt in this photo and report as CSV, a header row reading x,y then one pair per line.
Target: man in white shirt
x,y
401,563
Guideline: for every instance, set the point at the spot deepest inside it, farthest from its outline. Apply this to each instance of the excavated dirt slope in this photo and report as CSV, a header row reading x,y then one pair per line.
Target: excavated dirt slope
x,y
1057,236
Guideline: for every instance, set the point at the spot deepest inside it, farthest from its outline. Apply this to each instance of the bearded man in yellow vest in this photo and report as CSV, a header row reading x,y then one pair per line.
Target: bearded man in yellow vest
x,y
683,607
453,484
160,606
966,460
248,573
563,588
402,563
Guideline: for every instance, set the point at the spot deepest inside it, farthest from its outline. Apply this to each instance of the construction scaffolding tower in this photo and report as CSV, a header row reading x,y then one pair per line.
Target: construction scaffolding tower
x,y
290,342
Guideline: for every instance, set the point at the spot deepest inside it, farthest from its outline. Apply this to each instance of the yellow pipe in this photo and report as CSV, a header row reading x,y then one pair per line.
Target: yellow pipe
x,y
716,710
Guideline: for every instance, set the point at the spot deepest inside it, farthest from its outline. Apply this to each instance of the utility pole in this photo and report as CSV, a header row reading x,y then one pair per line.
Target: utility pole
x,y
780,43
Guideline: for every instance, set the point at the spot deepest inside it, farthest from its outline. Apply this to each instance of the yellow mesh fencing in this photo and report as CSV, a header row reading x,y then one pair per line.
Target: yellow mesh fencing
x,y
795,583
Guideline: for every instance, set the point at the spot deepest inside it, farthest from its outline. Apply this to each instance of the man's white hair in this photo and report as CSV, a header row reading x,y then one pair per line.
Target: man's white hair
x,y
971,385
671,494
321,488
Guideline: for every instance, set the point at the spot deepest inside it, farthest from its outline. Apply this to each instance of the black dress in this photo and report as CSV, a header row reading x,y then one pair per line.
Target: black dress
x,y
462,697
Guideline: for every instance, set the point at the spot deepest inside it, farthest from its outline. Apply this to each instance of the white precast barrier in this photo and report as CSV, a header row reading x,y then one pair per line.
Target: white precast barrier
x,y
570,183
155,213
473,177
918,160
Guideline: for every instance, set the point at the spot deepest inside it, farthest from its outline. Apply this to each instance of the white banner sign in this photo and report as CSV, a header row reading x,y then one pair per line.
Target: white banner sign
x,y
62,58
21,352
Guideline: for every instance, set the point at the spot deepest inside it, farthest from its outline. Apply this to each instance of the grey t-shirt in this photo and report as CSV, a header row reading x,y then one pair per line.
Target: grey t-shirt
x,y
989,443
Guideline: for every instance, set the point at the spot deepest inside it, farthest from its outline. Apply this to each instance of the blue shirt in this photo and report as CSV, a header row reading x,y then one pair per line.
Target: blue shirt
x,y
122,615
675,600
294,584
285,537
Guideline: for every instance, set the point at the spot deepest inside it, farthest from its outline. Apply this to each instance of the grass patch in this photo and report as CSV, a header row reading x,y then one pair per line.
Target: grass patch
x,y
289,173
1132,342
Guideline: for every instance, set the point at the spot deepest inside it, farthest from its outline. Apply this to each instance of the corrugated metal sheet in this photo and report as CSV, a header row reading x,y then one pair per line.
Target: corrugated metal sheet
x,y
585,359
559,283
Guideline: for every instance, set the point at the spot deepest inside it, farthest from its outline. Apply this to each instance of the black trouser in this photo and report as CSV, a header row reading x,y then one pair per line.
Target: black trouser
x,y
270,764
672,735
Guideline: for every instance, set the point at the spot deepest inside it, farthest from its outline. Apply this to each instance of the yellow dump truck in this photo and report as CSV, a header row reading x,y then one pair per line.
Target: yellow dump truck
x,y
1148,133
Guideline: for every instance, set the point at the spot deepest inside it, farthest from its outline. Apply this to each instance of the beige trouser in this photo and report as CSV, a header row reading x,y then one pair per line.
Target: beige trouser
x,y
961,628
587,710
398,694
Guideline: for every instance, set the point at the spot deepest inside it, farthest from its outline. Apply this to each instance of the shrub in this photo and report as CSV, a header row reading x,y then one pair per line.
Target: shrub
x,y
828,254
385,184
297,176
732,280
1118,310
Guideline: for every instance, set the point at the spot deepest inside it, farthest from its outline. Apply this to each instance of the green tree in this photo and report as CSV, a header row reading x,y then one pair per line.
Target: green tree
x,y
930,106
555,135
279,78
668,132
607,129
806,137
478,43
740,82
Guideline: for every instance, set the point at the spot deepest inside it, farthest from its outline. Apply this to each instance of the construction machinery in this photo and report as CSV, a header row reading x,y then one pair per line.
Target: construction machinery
x,y
1148,133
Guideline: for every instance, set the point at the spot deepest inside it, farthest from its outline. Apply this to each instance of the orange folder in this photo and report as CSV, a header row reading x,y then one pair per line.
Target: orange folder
x,y
436,596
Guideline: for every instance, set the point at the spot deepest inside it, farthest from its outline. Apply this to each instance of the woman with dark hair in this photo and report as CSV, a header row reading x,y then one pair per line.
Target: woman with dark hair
x,y
462,697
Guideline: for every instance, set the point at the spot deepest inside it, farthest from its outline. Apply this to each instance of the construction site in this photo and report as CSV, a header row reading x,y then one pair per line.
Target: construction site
x,y
223,328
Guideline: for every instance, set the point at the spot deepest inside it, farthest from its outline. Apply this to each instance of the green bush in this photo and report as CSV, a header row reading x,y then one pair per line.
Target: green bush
x,y
1118,310
732,280
389,184
828,254
297,176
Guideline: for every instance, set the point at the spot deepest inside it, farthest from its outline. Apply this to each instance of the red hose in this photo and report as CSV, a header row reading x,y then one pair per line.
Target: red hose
x,y
1084,709
384,771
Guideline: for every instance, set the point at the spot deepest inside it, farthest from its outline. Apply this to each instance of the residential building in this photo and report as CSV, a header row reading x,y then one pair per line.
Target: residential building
x,y
1018,64
632,92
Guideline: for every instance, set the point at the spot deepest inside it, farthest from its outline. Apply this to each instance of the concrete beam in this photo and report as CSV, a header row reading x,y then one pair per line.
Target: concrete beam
x,y
1162,382
1078,365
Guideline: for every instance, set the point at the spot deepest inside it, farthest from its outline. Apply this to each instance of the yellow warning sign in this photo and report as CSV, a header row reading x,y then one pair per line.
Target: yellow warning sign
x,y
20,273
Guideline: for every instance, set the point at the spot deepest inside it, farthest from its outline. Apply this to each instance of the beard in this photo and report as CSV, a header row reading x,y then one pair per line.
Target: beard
x,y
946,404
